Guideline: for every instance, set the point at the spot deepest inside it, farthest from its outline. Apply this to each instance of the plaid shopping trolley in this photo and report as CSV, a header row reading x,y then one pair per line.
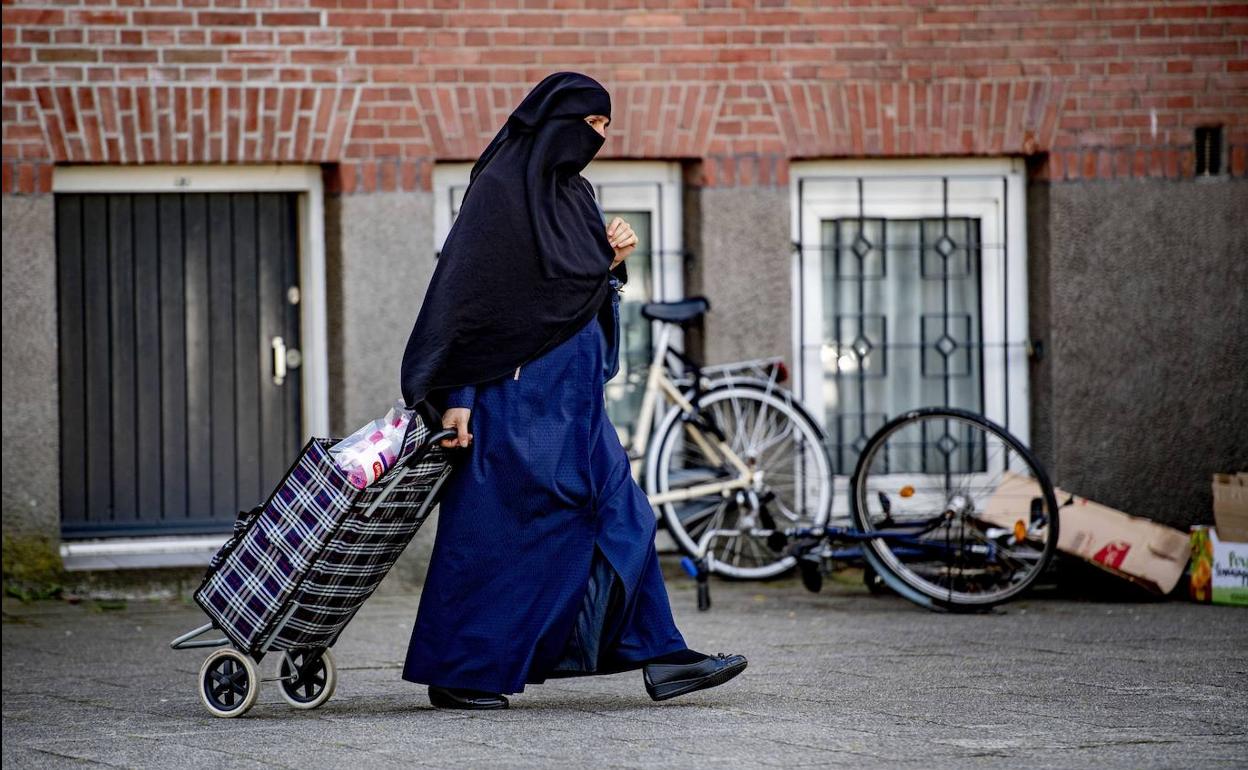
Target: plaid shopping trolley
x,y
297,568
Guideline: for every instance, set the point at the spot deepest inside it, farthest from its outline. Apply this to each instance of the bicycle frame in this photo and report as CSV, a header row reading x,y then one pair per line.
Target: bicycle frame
x,y
714,447
827,536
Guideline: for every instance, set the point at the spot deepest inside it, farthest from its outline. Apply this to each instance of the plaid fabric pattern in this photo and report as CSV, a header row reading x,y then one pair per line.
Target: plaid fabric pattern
x,y
303,564
353,563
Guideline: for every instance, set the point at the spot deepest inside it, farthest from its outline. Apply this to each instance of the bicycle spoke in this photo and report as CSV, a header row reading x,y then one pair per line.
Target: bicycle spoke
x,y
716,521
760,557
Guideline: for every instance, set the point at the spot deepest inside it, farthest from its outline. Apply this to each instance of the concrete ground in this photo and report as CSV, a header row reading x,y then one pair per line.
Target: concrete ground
x,y
836,679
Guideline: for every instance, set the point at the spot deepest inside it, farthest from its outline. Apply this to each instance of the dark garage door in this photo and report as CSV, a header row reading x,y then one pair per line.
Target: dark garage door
x,y
174,310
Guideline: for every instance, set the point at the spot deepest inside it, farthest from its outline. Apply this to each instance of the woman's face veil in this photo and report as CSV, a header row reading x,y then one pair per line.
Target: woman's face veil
x,y
525,264
554,114
541,149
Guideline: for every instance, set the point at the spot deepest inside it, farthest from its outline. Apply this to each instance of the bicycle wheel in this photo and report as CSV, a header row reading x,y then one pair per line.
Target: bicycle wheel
x,y
792,481
964,515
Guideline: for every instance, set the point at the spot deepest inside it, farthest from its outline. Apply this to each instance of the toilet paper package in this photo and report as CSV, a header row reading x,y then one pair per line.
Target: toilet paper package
x,y
368,453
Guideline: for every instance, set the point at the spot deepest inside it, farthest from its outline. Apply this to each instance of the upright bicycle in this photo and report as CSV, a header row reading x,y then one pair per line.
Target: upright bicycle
x,y
733,453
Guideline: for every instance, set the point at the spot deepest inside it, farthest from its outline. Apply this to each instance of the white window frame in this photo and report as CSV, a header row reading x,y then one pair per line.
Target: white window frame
x,y
167,551
654,186
821,190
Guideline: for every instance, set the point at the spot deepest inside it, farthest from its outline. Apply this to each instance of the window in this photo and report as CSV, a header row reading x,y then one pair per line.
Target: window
x,y
912,292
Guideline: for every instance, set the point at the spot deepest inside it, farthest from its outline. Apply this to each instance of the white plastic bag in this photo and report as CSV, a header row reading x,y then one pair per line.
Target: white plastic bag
x,y
371,451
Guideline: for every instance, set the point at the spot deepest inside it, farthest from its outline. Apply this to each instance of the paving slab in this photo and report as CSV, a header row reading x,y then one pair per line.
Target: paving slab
x,y
837,679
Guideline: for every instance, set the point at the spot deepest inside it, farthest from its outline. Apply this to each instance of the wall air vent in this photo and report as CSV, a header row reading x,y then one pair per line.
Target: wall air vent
x,y
1208,150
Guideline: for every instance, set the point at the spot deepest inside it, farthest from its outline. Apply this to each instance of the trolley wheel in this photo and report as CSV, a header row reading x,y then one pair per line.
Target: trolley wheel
x,y
312,681
228,683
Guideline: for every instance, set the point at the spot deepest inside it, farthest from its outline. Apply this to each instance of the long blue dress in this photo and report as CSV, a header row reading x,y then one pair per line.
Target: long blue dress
x,y
544,563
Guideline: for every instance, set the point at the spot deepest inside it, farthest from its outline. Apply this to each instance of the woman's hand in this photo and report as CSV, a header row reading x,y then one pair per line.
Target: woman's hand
x,y
622,238
457,418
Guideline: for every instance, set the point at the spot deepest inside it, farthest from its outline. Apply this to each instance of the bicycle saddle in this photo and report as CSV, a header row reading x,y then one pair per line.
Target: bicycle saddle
x,y
679,312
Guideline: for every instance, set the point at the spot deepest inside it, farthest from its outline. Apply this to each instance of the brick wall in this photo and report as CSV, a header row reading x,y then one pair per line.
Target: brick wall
x,y
382,87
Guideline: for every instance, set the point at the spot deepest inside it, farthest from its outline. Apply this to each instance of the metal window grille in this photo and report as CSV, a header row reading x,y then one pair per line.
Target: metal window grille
x,y
903,323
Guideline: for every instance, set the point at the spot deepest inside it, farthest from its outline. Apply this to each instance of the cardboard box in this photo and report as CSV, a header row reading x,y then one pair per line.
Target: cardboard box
x,y
1140,550
1219,571
1230,506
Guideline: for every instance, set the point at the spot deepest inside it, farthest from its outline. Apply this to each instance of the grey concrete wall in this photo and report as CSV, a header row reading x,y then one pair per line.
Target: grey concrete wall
x,y
742,252
31,433
1039,310
379,259
1142,303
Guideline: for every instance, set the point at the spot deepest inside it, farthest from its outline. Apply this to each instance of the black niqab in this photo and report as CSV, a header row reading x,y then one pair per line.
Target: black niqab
x,y
525,265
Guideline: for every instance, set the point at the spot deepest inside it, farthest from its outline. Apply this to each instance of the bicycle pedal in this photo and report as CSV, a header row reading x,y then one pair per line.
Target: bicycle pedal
x,y
812,575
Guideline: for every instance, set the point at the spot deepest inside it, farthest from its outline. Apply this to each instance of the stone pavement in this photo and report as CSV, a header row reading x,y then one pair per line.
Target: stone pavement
x,y
835,679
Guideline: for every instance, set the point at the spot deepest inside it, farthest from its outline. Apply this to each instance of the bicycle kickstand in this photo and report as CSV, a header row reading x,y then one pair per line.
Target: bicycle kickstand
x,y
698,570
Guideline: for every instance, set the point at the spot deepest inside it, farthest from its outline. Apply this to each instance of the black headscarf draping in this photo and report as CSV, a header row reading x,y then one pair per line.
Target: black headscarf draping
x,y
525,265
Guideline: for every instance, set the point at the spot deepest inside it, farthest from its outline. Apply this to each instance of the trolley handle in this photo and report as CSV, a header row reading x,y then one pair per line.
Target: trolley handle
x,y
402,468
419,452
430,444
426,413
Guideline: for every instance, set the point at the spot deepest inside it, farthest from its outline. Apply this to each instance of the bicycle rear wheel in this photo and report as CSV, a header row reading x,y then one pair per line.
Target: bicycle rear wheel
x,y
781,445
963,514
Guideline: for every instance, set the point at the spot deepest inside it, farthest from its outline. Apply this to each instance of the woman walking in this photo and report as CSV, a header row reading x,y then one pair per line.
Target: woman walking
x,y
544,562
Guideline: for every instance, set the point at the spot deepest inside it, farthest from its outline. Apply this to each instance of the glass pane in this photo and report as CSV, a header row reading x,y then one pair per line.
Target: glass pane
x,y
626,388
902,324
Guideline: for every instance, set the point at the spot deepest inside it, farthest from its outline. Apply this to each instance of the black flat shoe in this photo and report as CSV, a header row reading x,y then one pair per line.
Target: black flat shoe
x,y
667,680
456,698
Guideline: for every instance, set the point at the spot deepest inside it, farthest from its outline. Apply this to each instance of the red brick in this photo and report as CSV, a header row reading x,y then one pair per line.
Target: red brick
x,y
32,17
291,19
1065,14
357,19
319,56
226,19
948,17
225,37
193,56
386,56
26,178
430,20
66,54
1163,11
1118,13
131,56
97,17
163,18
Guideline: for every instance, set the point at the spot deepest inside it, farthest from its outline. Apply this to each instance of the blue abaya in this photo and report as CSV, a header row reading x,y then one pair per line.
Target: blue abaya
x,y
544,562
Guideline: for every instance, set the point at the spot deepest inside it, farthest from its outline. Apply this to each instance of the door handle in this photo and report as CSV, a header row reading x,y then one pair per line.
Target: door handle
x,y
279,360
